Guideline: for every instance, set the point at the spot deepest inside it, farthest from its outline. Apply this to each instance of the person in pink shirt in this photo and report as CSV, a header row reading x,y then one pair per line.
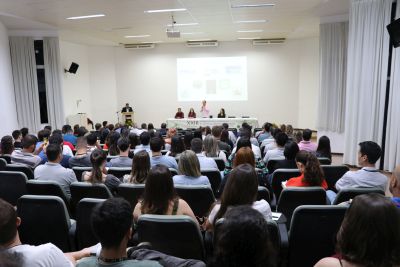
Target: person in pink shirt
x,y
205,112
306,144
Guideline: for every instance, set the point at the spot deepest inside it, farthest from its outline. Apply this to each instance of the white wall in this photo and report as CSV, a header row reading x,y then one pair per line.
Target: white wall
x,y
8,115
282,81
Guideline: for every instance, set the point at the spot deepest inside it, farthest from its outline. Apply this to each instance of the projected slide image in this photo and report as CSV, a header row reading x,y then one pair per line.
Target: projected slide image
x,y
213,79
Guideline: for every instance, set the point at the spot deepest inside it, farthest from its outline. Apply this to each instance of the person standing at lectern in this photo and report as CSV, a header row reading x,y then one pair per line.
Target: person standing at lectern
x,y
205,112
179,114
127,108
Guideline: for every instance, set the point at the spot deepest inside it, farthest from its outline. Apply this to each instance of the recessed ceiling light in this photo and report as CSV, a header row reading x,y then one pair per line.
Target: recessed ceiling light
x,y
165,10
251,21
243,31
252,5
183,24
137,36
191,33
87,16
248,38
200,40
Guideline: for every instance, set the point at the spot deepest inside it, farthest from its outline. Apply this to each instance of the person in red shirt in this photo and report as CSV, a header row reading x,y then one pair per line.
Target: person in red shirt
x,y
192,114
179,114
311,172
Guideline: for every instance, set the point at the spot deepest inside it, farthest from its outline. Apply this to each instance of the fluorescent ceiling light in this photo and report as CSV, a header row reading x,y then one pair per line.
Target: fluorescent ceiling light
x,y
191,33
154,42
183,24
87,16
251,21
252,5
137,36
200,40
243,31
248,38
165,10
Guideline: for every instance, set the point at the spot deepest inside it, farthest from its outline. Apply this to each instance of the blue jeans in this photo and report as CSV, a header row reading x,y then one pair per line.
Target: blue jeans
x,y
330,195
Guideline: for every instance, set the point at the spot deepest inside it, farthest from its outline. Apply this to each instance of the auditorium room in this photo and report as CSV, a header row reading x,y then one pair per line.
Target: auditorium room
x,y
204,133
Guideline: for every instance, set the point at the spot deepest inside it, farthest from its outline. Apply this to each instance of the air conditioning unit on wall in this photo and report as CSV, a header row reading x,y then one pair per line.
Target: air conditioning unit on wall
x,y
212,43
269,41
140,46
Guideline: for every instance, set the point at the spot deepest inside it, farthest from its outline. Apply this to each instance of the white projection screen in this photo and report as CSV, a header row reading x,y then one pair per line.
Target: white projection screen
x,y
212,78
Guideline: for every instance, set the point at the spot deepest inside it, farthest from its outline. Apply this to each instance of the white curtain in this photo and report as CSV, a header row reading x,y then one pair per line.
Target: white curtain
x,y
25,82
53,70
366,73
392,147
333,61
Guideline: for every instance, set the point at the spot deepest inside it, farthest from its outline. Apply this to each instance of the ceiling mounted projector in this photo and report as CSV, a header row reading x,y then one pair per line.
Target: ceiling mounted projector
x,y
173,33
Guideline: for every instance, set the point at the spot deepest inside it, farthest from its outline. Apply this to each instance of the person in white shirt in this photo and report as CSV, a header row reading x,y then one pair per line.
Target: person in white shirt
x,y
46,255
241,189
205,112
277,153
211,149
53,171
232,136
205,162
244,141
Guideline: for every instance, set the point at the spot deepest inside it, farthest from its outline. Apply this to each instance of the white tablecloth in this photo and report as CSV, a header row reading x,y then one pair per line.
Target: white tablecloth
x,y
195,123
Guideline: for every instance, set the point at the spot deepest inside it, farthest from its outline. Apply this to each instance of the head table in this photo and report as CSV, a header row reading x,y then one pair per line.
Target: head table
x,y
195,123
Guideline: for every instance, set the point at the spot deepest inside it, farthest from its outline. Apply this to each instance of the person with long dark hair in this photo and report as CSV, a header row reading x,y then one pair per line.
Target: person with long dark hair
x,y
6,145
177,146
192,114
369,235
159,196
241,189
221,113
324,147
112,143
243,240
140,168
311,172
98,175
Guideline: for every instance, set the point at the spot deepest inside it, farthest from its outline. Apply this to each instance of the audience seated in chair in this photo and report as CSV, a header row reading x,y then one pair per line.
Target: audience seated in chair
x,y
306,144
394,186
368,176
56,138
27,155
277,153
42,136
46,255
225,138
177,147
324,148
240,189
98,173
265,133
311,172
81,157
205,162
123,160
290,151
6,145
68,134
232,136
216,131
369,235
112,225
156,144
17,136
53,171
159,196
140,168
245,142
189,170
243,240
144,143
111,143
211,149
92,143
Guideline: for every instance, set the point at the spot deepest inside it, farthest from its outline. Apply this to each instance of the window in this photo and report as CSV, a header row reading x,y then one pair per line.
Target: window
x,y
41,78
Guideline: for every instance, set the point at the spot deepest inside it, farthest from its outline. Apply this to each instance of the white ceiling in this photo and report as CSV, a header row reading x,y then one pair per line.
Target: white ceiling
x,y
287,19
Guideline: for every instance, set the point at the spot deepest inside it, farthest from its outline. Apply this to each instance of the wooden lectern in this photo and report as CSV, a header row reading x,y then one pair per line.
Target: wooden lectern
x,y
127,117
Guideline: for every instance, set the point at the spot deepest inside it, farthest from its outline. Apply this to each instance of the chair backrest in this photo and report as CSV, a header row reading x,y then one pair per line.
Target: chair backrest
x,y
281,175
324,161
292,197
200,198
44,219
80,190
263,193
79,171
21,168
130,192
271,164
333,173
346,194
12,186
109,158
313,232
7,158
119,172
47,188
175,235
3,164
220,163
173,171
84,231
215,178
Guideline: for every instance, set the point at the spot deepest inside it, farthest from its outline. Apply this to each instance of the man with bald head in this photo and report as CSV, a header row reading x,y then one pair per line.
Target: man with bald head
x,y
394,186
